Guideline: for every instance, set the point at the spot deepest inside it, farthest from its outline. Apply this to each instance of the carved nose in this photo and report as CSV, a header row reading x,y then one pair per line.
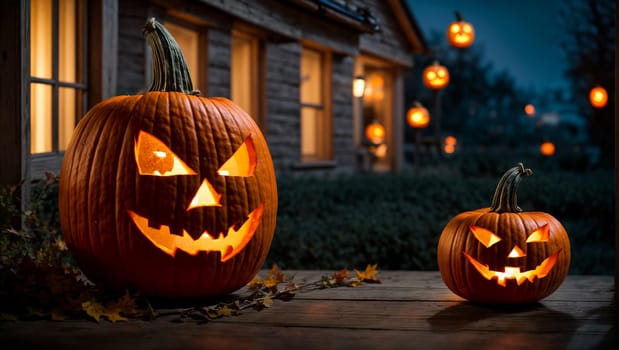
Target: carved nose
x,y
516,253
206,196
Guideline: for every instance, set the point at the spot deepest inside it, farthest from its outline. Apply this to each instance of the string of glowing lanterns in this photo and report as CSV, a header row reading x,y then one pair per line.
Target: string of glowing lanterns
x,y
460,34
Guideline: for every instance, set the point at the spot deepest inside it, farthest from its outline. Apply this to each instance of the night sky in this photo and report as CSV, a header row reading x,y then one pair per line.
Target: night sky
x,y
521,37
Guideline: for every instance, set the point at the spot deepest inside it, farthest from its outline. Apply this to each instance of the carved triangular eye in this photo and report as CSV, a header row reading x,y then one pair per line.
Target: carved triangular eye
x,y
486,237
243,161
154,158
540,235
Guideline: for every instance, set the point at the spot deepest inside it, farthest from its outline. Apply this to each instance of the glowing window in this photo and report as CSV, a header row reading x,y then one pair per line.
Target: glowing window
x,y
57,66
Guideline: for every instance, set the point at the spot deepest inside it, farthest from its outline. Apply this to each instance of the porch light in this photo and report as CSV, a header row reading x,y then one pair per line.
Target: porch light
x,y
358,86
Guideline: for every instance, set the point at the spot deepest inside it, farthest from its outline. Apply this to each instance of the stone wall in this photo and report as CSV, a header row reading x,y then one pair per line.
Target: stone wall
x,y
285,28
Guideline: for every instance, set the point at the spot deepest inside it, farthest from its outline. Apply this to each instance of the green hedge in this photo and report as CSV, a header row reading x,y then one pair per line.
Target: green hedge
x,y
395,220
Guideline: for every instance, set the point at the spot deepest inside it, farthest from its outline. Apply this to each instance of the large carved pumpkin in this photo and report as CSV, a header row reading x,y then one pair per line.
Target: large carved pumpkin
x,y
502,254
168,192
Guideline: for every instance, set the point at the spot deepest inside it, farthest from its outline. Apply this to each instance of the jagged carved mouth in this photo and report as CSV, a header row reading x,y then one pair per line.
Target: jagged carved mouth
x,y
513,272
227,245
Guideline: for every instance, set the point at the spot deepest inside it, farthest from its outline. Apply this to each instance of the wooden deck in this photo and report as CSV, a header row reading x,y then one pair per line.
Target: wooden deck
x,y
409,310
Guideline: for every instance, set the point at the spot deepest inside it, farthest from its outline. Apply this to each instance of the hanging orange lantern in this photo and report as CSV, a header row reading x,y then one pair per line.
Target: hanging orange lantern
x,y
375,132
598,97
460,33
547,148
435,76
529,110
418,116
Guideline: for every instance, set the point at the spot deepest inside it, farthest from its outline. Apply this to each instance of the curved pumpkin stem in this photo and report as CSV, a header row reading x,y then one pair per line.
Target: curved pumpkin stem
x,y
170,72
504,200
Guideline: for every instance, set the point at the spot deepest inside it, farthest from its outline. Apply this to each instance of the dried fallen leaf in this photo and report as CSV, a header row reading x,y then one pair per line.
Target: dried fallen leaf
x,y
93,309
369,275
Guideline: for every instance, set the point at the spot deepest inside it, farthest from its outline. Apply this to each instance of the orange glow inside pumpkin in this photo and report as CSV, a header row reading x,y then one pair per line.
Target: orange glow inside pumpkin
x,y
418,117
375,132
488,239
154,158
436,76
461,34
227,246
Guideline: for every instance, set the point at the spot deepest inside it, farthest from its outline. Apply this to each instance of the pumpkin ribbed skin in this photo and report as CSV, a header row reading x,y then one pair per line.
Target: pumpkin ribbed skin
x,y
513,227
100,183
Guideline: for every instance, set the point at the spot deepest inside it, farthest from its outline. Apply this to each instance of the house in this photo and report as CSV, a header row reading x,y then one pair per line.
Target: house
x,y
289,63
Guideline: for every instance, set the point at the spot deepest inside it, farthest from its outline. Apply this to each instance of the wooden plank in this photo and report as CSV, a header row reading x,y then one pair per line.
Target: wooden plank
x,y
428,285
217,335
393,315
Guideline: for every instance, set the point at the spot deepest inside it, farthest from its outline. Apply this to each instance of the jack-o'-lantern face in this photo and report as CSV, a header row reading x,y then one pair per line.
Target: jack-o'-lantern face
x,y
435,76
502,254
512,269
154,158
460,34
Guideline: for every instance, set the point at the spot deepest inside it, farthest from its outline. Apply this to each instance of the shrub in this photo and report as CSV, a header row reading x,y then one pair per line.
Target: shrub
x,y
395,220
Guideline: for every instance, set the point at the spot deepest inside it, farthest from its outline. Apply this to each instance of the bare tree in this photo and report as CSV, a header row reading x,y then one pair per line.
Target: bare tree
x,y
588,44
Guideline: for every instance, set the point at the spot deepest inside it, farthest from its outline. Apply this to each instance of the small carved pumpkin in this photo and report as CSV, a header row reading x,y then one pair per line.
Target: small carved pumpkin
x,y
168,192
418,116
435,76
460,33
502,254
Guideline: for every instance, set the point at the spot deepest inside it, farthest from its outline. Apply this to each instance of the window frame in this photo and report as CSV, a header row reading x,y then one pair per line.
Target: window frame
x,y
256,85
323,139
81,70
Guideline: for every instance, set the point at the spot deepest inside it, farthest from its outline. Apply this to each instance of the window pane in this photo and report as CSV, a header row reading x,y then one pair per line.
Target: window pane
x,y
67,115
40,118
67,41
242,81
310,133
41,38
189,42
311,77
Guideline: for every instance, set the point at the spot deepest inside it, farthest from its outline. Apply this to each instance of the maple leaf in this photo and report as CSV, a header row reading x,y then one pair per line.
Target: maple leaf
x,y
275,277
93,309
341,275
255,283
114,315
267,301
369,275
125,305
